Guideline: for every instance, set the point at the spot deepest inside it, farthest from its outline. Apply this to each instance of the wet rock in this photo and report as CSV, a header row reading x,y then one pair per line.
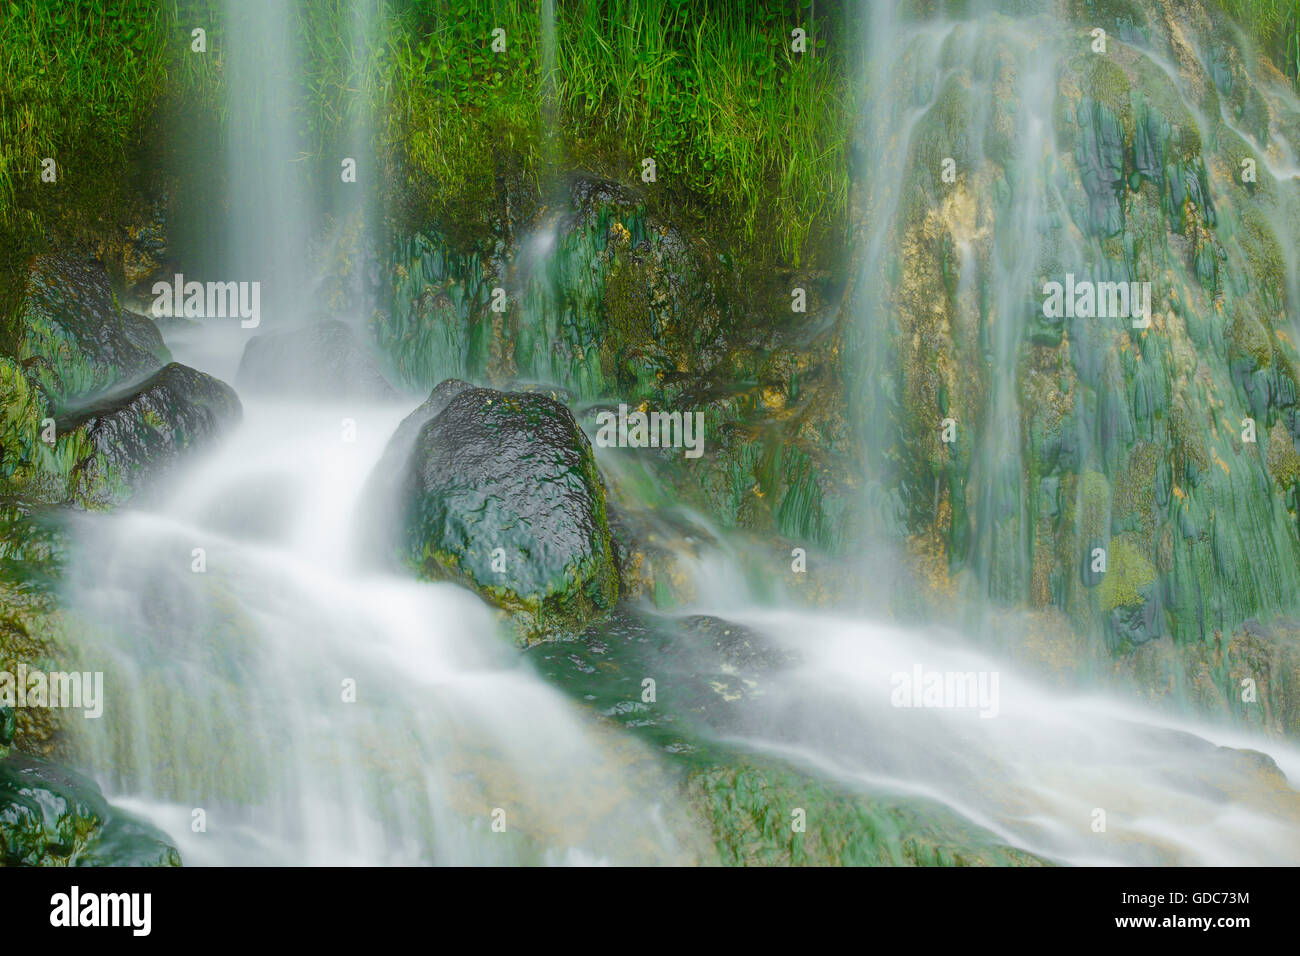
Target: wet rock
x,y
501,492
379,513
51,816
403,440
747,804
1100,156
145,247
610,298
129,438
733,645
76,340
326,359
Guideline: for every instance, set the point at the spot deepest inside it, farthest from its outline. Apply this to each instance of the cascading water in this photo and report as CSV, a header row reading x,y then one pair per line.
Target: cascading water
x,y
270,217
317,710
967,95
1078,778
915,72
233,685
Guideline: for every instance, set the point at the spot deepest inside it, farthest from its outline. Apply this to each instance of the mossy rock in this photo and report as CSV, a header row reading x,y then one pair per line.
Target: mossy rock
x,y
76,340
51,816
501,492
1283,459
127,440
753,807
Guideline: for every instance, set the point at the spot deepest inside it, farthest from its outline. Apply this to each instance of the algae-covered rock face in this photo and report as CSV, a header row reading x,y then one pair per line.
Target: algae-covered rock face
x,y
50,816
614,298
1131,467
325,359
502,492
75,338
89,413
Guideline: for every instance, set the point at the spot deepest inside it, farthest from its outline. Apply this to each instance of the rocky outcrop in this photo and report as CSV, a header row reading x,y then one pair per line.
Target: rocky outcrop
x,y
500,491
90,413
1134,476
76,340
50,816
129,439
612,301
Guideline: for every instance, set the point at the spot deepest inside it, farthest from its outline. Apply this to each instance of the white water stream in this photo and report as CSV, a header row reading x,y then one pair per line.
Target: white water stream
x,y
233,626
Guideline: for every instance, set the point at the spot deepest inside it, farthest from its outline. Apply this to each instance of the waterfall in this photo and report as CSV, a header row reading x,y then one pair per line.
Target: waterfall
x,y
272,698
968,201
270,216
1000,156
1081,778
321,713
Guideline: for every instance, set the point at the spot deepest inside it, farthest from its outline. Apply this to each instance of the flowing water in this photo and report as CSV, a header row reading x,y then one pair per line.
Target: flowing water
x,y
317,710
1084,779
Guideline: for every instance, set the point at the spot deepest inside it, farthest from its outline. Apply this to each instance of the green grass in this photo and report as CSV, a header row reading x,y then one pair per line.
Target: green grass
x,y
82,82
1275,26
76,79
709,90
747,136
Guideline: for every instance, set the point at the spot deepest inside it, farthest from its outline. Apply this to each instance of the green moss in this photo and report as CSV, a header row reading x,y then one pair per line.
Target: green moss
x,y
1283,459
1250,339
1191,453
1094,506
752,809
627,324
1127,571
1134,491
1107,83
1263,255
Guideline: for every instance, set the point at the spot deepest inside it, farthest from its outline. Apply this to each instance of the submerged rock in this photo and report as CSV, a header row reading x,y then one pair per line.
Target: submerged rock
x,y
325,359
750,802
501,491
51,816
126,439
734,646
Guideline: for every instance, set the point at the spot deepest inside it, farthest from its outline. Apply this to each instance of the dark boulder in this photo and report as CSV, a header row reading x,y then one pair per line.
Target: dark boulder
x,y
378,516
501,492
403,440
326,360
124,440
